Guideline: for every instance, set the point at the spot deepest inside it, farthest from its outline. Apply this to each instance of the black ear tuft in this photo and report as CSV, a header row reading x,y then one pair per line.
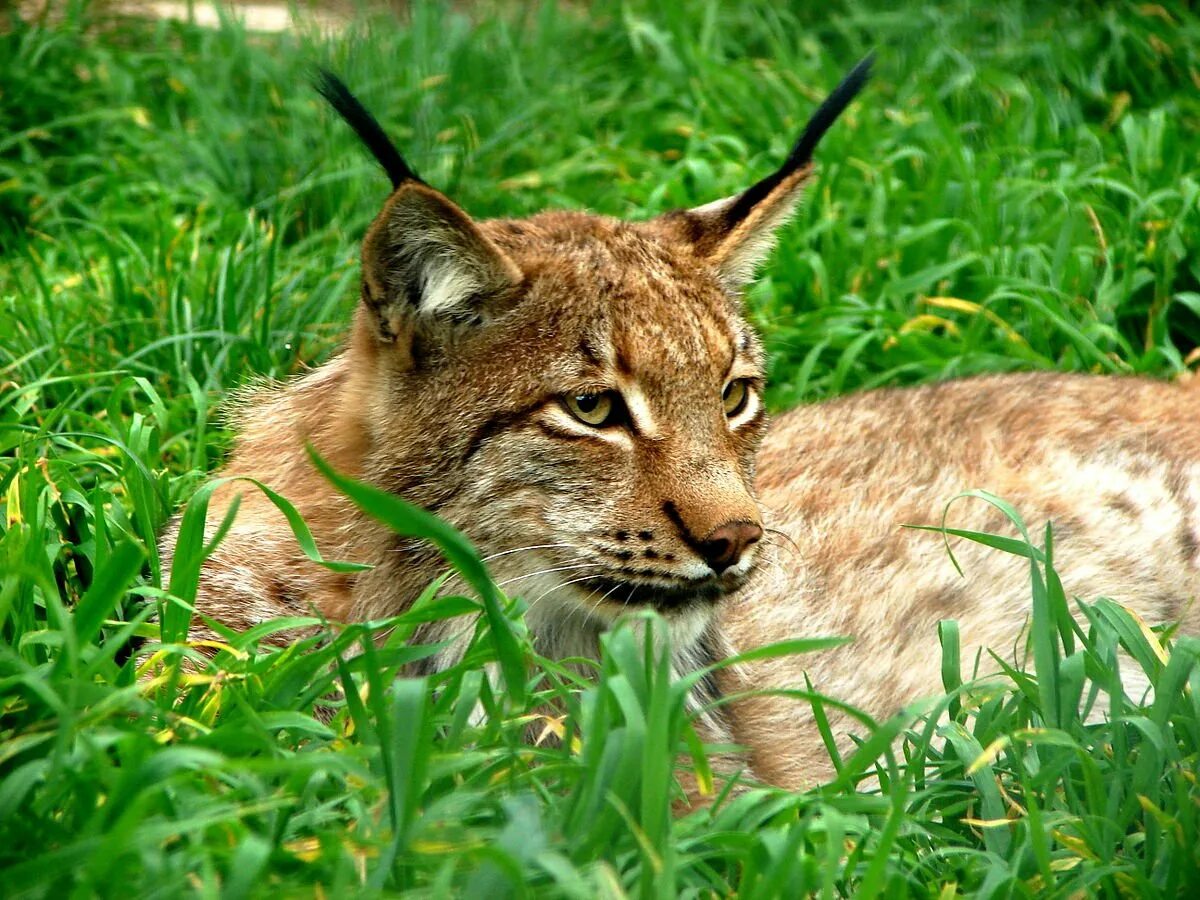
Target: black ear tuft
x,y
827,113
735,234
366,126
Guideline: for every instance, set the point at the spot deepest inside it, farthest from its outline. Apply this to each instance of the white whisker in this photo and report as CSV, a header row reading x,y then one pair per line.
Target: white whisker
x,y
457,576
530,547
604,596
563,585
632,590
547,571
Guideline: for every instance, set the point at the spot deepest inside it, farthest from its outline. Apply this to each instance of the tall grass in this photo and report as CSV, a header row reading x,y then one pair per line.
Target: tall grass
x,y
178,213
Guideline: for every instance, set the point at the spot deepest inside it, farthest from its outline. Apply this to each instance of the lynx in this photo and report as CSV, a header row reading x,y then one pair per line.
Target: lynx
x,y
583,397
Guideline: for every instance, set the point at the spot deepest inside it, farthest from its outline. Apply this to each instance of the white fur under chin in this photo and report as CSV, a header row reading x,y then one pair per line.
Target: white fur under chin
x,y
568,630
571,627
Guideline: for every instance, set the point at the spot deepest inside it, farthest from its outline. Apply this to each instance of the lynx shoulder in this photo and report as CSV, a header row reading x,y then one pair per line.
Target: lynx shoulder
x,y
583,397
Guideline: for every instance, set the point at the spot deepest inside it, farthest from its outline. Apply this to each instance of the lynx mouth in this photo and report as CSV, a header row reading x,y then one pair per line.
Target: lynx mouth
x,y
664,598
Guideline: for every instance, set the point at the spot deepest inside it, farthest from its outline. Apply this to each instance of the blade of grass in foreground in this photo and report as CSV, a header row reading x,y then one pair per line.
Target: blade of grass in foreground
x,y
411,521
191,550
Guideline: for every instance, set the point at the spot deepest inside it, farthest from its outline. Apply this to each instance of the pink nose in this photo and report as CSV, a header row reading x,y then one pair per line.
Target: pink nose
x,y
726,544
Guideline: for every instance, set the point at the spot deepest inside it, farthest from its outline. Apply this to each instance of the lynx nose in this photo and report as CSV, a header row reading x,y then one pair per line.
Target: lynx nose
x,y
726,544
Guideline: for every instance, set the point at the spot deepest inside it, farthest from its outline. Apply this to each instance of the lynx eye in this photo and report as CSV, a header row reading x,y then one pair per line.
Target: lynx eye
x,y
735,396
596,410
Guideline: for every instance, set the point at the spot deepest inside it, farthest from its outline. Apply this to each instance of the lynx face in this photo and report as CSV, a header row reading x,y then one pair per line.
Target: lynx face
x,y
608,416
581,395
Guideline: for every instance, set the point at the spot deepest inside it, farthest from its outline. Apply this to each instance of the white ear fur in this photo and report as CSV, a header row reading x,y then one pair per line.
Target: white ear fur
x,y
425,258
448,290
441,258
738,248
739,255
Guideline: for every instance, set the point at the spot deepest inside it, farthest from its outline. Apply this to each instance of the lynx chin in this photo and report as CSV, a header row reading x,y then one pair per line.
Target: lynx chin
x,y
582,396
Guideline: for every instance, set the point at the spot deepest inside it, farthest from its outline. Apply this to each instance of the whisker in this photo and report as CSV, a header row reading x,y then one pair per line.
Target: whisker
x,y
632,590
458,576
530,547
547,571
773,566
596,605
583,611
563,585
571,612
787,537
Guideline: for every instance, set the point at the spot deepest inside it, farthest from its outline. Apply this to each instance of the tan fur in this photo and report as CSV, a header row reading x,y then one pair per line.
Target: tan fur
x,y
1112,463
449,392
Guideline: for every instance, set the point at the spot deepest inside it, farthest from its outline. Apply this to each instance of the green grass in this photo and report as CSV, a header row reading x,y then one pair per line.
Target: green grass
x,y
1018,188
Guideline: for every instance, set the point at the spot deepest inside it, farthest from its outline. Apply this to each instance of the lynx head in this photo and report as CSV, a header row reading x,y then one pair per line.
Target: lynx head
x,y
580,394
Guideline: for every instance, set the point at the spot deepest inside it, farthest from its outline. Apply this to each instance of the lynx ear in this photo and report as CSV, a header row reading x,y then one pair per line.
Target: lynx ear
x,y
425,262
735,234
